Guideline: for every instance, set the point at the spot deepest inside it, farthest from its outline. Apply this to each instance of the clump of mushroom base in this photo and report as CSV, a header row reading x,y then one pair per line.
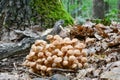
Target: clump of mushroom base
x,y
58,53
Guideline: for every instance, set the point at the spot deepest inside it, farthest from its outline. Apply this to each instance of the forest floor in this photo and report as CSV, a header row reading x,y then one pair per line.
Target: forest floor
x,y
101,66
99,69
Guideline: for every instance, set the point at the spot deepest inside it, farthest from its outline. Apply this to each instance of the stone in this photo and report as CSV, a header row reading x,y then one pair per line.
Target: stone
x,y
114,74
59,77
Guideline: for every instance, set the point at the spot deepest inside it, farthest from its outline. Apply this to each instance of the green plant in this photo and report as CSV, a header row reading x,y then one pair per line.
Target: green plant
x,y
112,15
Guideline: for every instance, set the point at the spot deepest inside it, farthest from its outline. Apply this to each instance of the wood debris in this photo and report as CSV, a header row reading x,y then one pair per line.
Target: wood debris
x,y
98,37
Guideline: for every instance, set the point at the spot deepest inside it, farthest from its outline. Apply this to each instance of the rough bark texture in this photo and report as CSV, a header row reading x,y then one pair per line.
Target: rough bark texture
x,y
15,13
106,7
98,9
22,13
119,8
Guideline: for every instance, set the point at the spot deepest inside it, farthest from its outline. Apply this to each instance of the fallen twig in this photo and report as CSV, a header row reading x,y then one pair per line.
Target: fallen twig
x,y
64,70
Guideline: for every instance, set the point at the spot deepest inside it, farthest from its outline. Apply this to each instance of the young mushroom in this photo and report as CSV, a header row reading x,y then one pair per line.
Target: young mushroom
x,y
59,53
83,59
72,58
77,52
41,54
40,42
30,56
50,38
67,40
65,63
57,37
47,53
74,66
43,68
70,52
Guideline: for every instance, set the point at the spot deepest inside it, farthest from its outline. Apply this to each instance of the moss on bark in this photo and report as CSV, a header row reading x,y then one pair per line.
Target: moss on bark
x,y
50,11
24,13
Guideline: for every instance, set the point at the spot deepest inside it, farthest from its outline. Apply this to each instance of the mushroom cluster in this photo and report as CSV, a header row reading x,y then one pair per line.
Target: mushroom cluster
x,y
58,53
98,38
81,31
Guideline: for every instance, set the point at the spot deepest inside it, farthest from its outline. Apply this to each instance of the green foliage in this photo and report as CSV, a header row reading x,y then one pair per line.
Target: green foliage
x,y
85,9
105,21
51,11
112,14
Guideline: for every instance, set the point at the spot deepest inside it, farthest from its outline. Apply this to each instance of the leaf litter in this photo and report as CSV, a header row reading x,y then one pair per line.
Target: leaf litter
x,y
102,46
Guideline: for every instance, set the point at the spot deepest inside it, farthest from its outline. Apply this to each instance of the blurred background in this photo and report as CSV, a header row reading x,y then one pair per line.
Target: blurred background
x,y
93,9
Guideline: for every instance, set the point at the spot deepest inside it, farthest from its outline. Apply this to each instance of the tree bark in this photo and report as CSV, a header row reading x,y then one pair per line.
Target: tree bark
x,y
79,4
106,7
98,9
22,13
118,9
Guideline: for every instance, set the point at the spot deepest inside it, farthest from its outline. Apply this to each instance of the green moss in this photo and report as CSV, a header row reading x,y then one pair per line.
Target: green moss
x,y
51,11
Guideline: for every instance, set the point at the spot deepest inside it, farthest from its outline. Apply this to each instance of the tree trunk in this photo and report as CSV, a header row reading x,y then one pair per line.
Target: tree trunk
x,y
106,7
20,13
79,5
98,9
118,9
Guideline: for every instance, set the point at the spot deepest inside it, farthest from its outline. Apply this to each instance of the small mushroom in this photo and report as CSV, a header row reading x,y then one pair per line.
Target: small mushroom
x,y
30,56
49,71
84,52
65,58
65,63
77,52
38,49
54,56
40,42
32,64
49,37
47,53
80,65
74,40
45,62
74,66
41,54
64,49
67,40
57,37
60,54
49,58
43,68
80,46
33,48
57,60
70,52
72,58
85,65
38,67
83,59
39,61
69,47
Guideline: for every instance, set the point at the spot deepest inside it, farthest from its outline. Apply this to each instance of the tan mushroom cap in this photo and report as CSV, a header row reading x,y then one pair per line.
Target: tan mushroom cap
x,y
40,42
83,59
49,37
43,68
57,60
72,58
59,53
65,63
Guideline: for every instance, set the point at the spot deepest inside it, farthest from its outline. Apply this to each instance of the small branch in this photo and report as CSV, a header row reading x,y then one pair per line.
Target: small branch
x,y
64,70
